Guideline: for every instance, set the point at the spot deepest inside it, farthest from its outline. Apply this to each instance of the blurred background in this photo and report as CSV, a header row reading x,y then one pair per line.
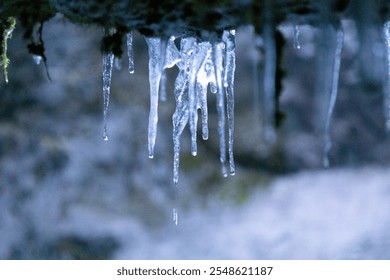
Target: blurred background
x,y
67,194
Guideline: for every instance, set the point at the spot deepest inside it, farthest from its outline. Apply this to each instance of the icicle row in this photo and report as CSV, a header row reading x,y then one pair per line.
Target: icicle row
x,y
333,94
108,59
386,33
201,64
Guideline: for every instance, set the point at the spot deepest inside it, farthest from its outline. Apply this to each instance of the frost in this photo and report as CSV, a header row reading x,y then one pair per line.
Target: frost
x,y
108,59
333,94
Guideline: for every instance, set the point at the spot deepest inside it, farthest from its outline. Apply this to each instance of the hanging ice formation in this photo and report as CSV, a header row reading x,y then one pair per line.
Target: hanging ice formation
x,y
129,43
269,77
108,59
161,55
201,64
333,93
386,33
297,43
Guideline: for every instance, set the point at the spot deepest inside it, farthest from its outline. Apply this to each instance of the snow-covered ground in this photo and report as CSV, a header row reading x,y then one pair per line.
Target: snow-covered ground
x,y
331,214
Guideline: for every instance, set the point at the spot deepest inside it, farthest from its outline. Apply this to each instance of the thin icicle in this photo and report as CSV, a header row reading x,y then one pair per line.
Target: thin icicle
x,y
333,94
156,63
269,79
108,59
181,115
163,86
201,52
171,58
217,55
386,32
118,63
37,59
129,37
175,216
297,43
230,66
204,77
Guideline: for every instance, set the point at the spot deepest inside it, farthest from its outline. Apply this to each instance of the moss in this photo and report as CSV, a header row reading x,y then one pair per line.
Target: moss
x,y
6,28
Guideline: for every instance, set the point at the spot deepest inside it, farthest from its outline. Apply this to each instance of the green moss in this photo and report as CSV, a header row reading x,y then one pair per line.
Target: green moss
x,y
6,27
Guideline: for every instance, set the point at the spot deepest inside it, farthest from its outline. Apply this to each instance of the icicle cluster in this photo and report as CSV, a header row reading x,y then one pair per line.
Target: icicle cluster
x,y
201,64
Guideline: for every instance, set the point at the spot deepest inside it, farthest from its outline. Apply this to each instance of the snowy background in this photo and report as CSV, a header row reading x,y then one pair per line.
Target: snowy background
x,y
66,193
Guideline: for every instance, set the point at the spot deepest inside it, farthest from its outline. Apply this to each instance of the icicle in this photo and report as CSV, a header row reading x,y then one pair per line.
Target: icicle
x,y
118,63
269,80
130,51
201,52
205,77
156,63
175,216
333,94
37,59
171,58
108,59
297,43
172,54
181,115
163,86
217,55
386,32
230,66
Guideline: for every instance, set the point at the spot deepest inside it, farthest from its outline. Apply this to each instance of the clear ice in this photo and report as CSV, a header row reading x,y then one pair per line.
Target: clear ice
x,y
386,33
201,65
155,71
37,59
269,80
297,43
108,59
129,37
217,55
230,67
333,93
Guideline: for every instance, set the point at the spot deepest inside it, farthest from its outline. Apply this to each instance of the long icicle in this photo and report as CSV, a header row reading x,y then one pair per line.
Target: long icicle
x,y
230,66
269,76
217,55
181,114
297,31
333,94
156,64
130,54
386,33
204,77
108,59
